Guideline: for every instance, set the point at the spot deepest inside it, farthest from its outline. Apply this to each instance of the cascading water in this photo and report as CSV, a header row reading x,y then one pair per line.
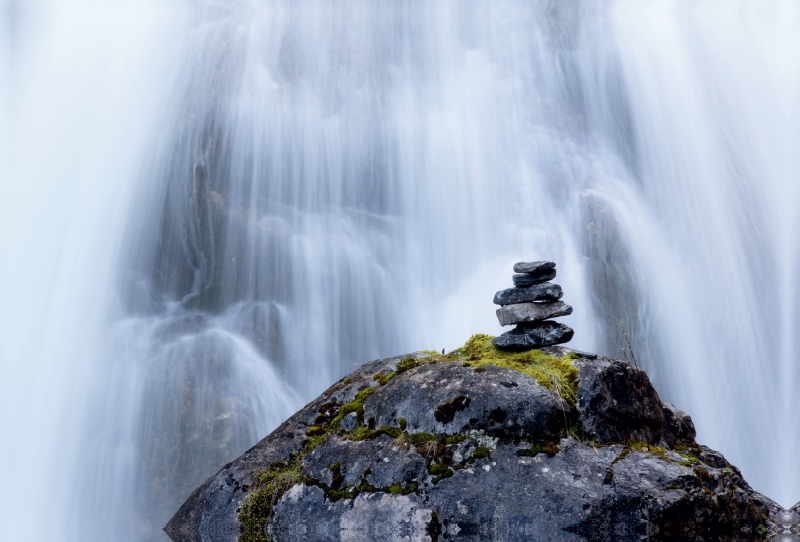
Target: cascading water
x,y
212,210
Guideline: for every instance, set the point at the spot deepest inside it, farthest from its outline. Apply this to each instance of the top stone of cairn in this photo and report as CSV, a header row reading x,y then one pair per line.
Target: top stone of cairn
x,y
531,273
533,268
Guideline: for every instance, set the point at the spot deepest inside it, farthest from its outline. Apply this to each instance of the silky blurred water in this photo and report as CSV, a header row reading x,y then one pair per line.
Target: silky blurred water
x,y
210,211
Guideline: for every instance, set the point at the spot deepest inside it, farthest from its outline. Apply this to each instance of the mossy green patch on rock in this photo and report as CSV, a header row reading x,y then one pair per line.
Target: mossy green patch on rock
x,y
383,379
540,447
552,372
257,509
396,437
440,472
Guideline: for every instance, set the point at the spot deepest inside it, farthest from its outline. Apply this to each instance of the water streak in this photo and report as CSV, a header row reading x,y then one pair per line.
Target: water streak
x,y
218,208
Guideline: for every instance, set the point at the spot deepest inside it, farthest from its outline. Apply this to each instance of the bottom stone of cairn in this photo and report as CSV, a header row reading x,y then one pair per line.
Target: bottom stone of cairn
x,y
542,334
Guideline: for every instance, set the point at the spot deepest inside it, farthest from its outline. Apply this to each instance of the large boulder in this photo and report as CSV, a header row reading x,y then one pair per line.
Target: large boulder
x,y
482,445
619,404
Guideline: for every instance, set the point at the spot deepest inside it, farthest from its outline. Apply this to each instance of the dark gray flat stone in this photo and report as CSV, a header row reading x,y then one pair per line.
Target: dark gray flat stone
x,y
525,279
523,338
533,267
538,292
520,313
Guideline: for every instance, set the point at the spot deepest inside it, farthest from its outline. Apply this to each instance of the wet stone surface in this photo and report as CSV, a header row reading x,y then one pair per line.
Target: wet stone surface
x,y
534,268
524,280
521,313
538,292
538,335
446,451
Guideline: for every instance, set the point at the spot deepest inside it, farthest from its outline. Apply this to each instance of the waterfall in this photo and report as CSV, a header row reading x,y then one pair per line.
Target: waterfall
x,y
213,209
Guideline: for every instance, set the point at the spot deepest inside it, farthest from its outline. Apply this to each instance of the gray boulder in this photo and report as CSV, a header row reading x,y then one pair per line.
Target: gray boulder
x,y
520,313
447,398
680,425
537,292
618,403
455,449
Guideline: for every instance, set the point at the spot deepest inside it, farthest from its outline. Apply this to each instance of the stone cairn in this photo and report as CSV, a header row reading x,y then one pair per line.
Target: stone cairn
x,y
529,306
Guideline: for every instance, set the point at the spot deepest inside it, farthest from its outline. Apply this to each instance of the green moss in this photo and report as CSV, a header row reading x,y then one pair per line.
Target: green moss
x,y
313,442
640,446
622,455
420,438
364,433
552,372
398,489
409,363
689,461
440,472
366,392
257,509
539,447
383,379
356,405
432,353
480,452
315,431
455,439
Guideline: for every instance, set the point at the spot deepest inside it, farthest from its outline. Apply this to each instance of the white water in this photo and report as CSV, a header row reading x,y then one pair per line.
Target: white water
x,y
210,211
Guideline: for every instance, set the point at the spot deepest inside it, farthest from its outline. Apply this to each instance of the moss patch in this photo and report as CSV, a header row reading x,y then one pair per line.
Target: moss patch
x,y
552,372
256,511
539,447
440,472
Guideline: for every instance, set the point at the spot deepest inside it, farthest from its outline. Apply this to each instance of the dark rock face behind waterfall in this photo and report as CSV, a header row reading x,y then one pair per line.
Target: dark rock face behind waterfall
x,y
456,447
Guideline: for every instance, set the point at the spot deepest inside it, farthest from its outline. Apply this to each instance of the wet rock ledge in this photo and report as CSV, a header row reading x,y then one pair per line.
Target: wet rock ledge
x,y
482,444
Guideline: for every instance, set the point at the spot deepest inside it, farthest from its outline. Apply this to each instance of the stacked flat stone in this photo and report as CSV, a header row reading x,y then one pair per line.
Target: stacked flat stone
x,y
530,305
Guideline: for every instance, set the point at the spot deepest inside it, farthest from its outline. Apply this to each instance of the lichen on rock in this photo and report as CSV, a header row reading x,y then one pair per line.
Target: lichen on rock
x,y
481,444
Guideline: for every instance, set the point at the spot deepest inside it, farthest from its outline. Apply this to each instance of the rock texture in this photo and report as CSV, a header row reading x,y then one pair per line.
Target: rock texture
x,y
534,268
521,313
442,449
527,279
537,292
544,333
529,305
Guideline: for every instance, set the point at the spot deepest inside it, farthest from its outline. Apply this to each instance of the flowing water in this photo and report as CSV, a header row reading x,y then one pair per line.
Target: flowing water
x,y
210,211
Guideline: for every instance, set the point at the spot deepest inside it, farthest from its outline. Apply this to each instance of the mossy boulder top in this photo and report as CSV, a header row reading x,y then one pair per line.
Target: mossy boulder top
x,y
481,445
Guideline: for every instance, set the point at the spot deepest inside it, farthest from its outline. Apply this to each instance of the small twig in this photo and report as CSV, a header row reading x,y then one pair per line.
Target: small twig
x,y
636,379
558,388
630,347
